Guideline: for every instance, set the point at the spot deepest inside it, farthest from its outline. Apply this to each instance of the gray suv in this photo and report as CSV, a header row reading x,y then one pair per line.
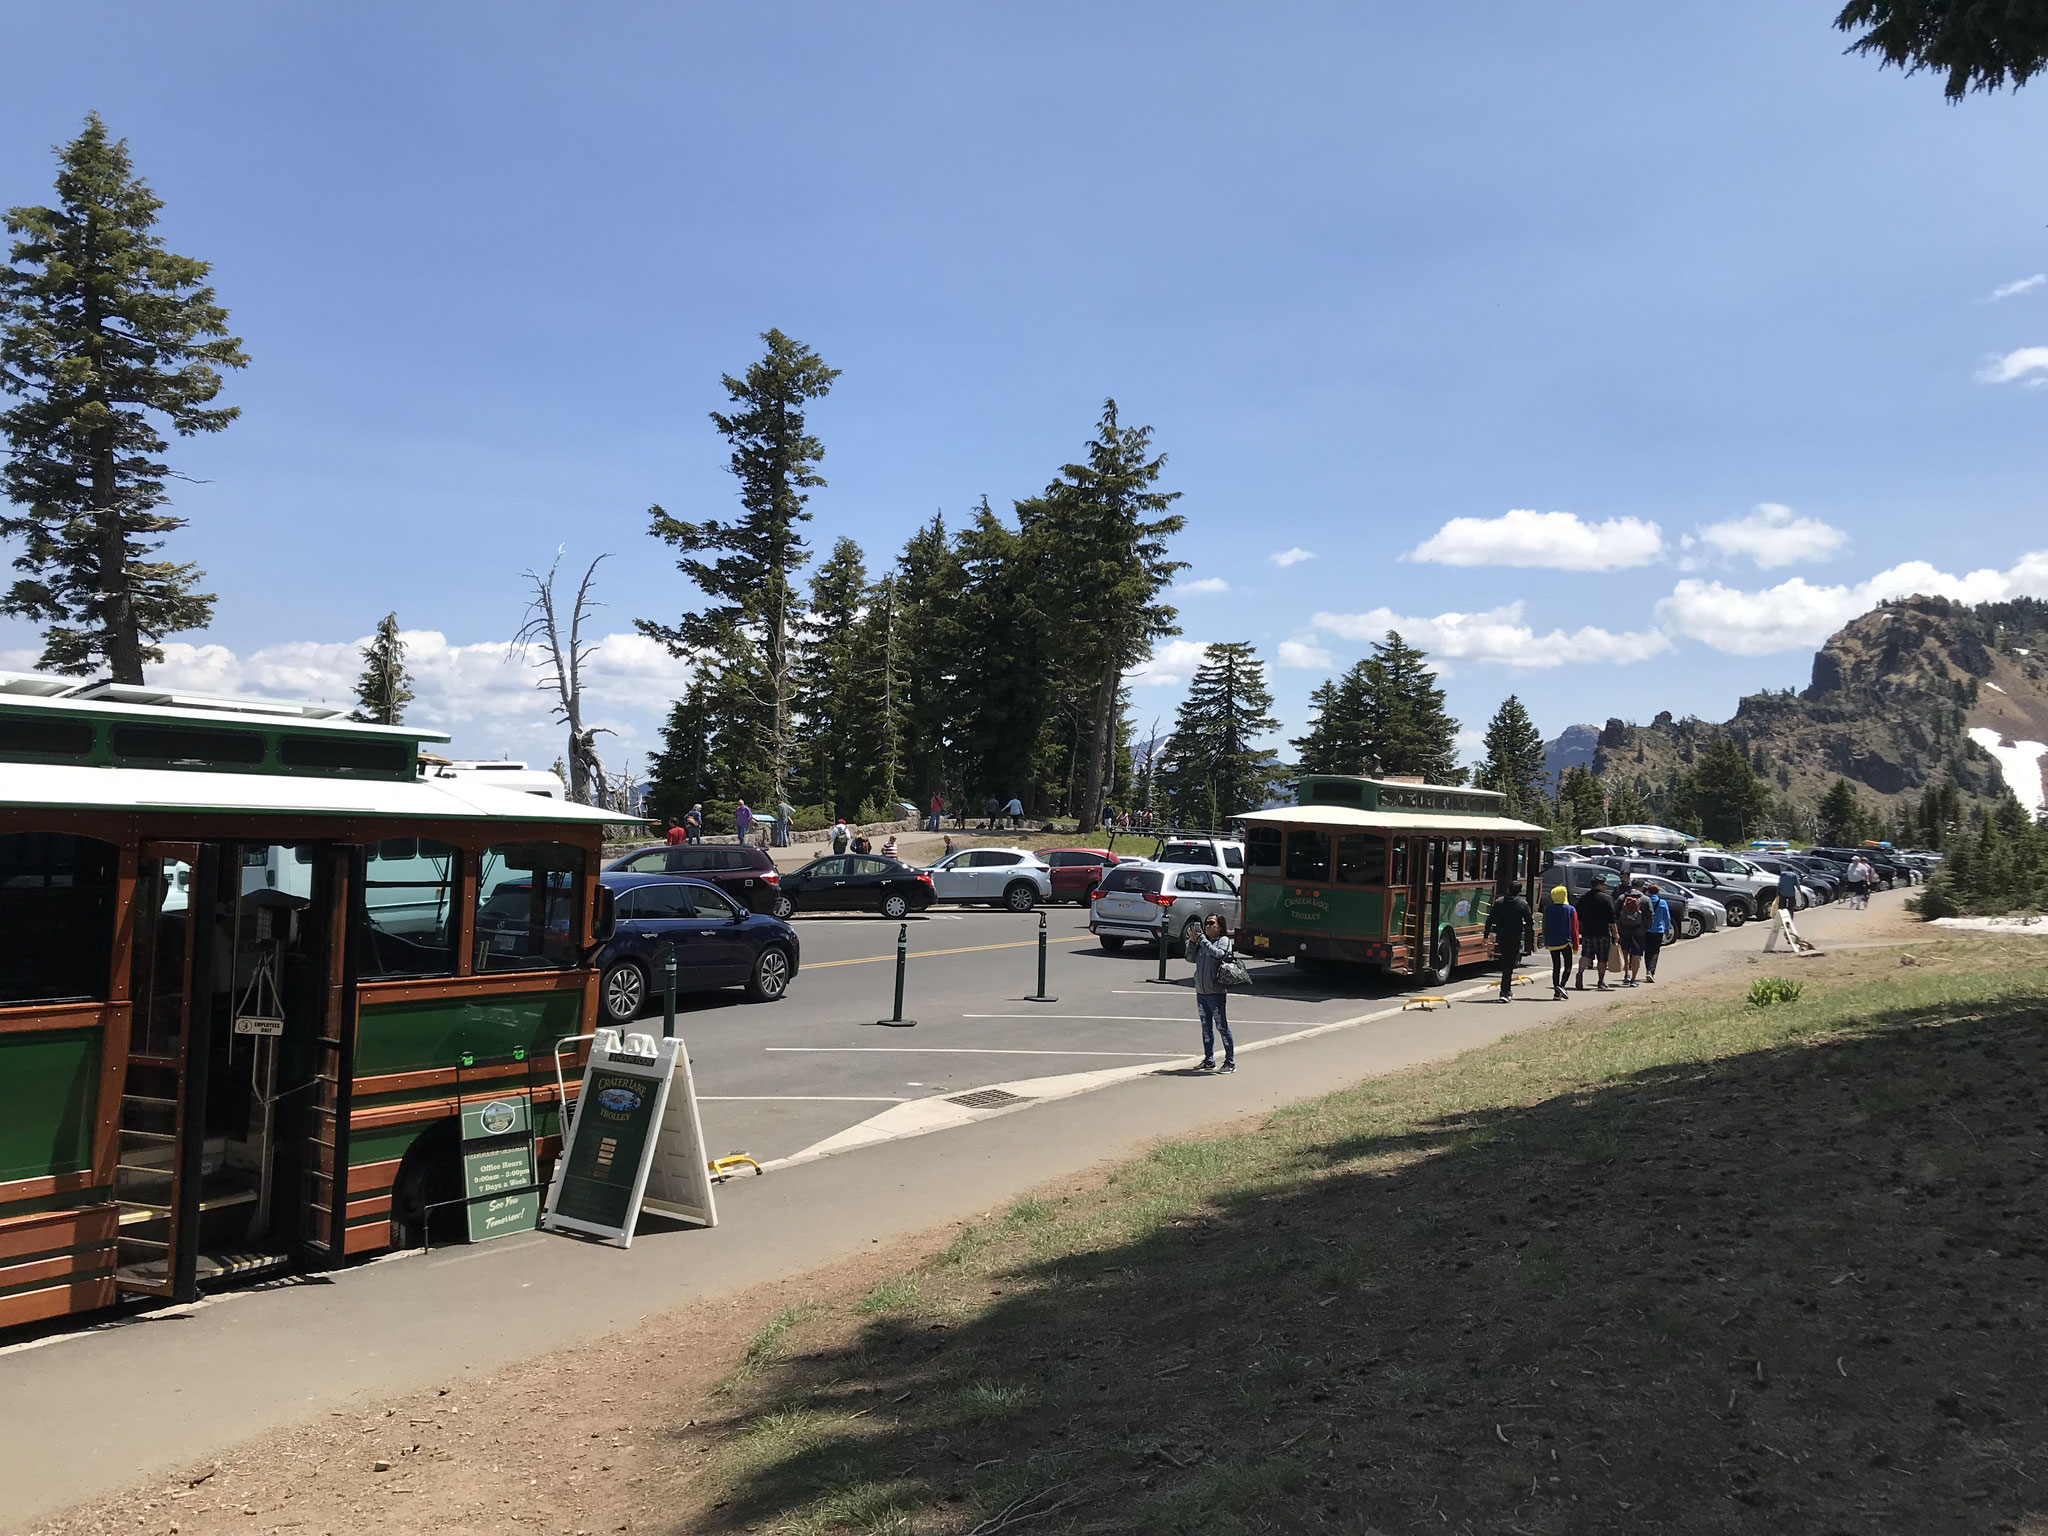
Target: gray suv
x,y
1135,903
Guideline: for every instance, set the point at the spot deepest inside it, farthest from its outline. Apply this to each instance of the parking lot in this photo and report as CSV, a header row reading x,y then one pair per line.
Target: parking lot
x,y
778,1078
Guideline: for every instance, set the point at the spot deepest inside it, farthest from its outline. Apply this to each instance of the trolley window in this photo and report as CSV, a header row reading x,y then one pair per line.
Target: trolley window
x,y
57,913
1308,855
1262,848
1399,874
406,909
1361,858
527,896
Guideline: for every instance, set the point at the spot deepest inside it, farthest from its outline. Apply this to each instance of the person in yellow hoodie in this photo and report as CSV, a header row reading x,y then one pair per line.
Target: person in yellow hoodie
x,y
1560,937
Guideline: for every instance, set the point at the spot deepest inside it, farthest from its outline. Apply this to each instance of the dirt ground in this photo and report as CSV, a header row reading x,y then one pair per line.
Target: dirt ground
x,y
1796,1290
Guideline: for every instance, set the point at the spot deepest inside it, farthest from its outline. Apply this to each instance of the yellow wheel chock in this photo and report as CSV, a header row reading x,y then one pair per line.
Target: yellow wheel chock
x,y
1525,981
723,1168
1426,1004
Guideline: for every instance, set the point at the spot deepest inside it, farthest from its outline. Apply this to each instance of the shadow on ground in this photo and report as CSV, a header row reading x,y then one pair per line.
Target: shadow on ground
x,y
1794,1290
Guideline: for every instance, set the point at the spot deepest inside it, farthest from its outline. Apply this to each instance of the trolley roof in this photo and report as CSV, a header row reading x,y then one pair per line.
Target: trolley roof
x,y
64,786
1399,821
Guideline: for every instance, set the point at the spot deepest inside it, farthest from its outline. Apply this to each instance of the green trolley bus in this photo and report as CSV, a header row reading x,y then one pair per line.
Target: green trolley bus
x,y
1392,874
254,968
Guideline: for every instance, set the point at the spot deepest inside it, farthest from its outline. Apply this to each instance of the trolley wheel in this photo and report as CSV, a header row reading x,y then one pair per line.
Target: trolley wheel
x,y
1446,959
894,906
623,990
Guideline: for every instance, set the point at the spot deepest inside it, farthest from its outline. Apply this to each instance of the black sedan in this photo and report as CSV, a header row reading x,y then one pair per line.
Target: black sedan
x,y
718,943
858,882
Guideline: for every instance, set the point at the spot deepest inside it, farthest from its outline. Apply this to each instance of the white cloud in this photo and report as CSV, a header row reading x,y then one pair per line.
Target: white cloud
x,y
1773,535
1173,662
1292,556
1499,635
1556,541
1201,586
482,694
1304,653
2025,284
1798,615
2015,365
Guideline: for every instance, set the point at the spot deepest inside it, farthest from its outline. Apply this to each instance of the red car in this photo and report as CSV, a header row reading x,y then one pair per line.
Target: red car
x,y
1077,871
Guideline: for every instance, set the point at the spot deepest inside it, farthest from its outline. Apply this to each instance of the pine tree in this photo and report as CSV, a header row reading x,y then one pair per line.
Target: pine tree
x,y
1003,662
1097,543
103,333
1841,815
1336,740
1514,761
750,580
385,687
927,583
837,695
1580,803
1406,726
1214,770
1725,794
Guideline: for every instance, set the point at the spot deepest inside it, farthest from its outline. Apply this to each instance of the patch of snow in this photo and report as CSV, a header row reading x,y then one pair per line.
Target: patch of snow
x,y
1994,687
2020,764
1994,924
2021,650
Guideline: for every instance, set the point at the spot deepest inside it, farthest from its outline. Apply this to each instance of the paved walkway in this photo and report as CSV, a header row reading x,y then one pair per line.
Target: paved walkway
x,y
83,1414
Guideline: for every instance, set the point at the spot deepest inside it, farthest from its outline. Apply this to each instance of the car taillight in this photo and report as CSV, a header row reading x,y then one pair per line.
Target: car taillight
x,y
771,878
923,878
1157,900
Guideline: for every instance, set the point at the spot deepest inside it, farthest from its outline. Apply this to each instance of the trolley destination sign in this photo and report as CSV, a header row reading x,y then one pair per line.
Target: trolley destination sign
x,y
1387,795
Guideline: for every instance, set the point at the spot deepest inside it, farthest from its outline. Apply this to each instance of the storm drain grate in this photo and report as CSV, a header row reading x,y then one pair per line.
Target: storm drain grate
x,y
986,1098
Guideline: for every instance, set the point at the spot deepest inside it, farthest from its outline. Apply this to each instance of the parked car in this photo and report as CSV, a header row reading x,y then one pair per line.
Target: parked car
x,y
1135,902
1677,892
1004,877
1215,852
718,943
1813,888
741,870
1077,871
858,882
1704,914
1738,903
1738,873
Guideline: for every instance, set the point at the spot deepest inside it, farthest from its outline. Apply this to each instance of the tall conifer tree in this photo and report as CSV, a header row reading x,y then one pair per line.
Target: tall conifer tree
x,y
103,334
1336,740
750,577
1406,726
385,687
1214,770
1514,761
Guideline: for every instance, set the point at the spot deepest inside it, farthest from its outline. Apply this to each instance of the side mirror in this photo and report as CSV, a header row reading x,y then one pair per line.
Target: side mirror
x,y
604,921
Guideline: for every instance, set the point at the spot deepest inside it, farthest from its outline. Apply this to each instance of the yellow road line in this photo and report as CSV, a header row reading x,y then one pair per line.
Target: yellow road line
x,y
926,954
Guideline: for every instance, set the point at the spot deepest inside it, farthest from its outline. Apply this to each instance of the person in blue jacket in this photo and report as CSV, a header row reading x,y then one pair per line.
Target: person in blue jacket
x,y
1657,930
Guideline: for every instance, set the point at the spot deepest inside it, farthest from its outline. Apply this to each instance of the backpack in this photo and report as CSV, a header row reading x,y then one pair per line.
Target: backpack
x,y
1632,912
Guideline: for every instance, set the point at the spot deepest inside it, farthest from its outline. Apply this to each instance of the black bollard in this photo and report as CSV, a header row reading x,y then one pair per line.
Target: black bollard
x,y
896,1019
668,992
1161,977
1040,995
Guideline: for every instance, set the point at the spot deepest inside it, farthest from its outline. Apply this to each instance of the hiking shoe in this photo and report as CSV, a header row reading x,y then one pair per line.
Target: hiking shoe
x,y
1228,1066
1206,1066
1557,994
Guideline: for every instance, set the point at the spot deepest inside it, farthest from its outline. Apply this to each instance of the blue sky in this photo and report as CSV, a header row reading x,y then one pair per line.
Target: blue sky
x,y
1367,270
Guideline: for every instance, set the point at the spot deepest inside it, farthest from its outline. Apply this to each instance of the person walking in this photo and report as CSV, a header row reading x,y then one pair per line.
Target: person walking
x,y
1508,922
1657,929
743,818
1015,811
1596,934
840,836
1788,889
938,809
1860,874
1560,937
785,822
1209,949
676,834
693,825
951,849
1631,917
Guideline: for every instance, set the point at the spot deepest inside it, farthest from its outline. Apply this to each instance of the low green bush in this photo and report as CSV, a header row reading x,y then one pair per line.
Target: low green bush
x,y
1773,989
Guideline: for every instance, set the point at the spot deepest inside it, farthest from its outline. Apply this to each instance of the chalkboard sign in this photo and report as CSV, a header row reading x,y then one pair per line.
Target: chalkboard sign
x,y
497,1167
603,1169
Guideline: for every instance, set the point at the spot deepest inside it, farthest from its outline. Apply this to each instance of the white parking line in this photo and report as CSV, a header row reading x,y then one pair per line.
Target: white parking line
x,y
1127,1018
952,1050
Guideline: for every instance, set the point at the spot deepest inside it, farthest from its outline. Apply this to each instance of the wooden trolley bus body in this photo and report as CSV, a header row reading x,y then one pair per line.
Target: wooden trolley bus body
x,y
251,966
1383,873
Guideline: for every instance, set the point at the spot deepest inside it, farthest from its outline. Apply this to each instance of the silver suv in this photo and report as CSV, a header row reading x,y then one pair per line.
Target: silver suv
x,y
1005,877
1135,903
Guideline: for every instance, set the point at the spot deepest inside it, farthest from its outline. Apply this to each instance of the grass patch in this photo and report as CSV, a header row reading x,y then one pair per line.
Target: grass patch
x,y
1687,1266
770,1341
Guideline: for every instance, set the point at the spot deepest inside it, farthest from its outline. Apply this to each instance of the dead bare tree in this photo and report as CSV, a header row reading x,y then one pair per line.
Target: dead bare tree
x,y
561,666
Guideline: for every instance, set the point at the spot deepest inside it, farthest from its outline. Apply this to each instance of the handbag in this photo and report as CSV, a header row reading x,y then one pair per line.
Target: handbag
x,y
1231,974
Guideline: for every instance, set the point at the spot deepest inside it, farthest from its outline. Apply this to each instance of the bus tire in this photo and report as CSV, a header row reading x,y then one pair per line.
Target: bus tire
x,y
1446,959
428,1174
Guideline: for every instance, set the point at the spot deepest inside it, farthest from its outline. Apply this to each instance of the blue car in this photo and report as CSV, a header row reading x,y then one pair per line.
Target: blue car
x,y
718,943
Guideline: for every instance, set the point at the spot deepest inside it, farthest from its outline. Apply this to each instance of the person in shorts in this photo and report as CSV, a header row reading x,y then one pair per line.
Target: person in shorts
x,y
1631,923
1596,933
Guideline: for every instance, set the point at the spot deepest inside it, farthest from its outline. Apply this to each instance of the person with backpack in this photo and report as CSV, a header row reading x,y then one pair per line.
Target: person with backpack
x,y
1657,929
1560,937
1508,921
1631,919
1596,933
840,836
1209,950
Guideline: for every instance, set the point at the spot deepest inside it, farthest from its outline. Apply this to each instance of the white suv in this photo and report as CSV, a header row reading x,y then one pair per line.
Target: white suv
x,y
1225,853
1015,878
1759,885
